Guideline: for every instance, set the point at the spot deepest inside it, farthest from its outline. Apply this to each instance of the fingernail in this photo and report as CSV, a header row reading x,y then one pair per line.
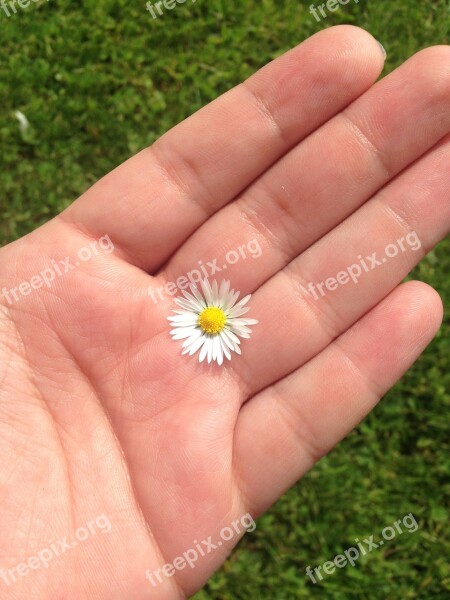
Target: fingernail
x,y
382,50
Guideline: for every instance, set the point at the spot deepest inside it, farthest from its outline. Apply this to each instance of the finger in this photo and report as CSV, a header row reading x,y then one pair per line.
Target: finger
x,y
153,202
336,281
286,428
326,177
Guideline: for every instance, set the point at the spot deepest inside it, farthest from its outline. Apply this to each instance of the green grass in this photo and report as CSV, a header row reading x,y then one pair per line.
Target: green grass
x,y
99,80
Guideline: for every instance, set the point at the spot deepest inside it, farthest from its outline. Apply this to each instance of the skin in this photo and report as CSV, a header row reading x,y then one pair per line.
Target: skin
x,y
99,412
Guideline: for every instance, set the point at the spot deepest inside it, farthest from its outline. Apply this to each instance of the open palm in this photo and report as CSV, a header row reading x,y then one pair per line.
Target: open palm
x,y
106,427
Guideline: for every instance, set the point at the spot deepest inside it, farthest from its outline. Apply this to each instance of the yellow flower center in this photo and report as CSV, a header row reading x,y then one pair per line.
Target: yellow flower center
x,y
212,320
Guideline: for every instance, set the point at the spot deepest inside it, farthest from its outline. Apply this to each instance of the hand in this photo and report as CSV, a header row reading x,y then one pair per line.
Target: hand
x,y
106,427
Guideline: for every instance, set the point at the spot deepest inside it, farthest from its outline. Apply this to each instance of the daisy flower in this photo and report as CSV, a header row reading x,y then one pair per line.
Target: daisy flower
x,y
211,322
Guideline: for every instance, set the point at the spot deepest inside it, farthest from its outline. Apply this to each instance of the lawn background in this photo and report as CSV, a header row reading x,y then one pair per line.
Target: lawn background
x,y
99,80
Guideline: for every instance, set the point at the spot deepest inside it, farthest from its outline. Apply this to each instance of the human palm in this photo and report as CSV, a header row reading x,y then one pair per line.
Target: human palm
x,y
101,417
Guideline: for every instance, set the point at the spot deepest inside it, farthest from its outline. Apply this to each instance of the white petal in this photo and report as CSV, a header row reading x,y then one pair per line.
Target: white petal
x,y
250,321
218,350
243,335
180,324
215,293
182,332
223,291
230,301
241,322
196,345
238,328
207,291
199,297
183,300
191,317
237,312
213,348
234,338
226,341
204,350
186,317
195,335
193,300
186,304
242,302
210,349
224,347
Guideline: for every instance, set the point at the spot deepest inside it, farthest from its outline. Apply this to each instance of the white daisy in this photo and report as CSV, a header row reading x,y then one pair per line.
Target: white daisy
x,y
211,323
